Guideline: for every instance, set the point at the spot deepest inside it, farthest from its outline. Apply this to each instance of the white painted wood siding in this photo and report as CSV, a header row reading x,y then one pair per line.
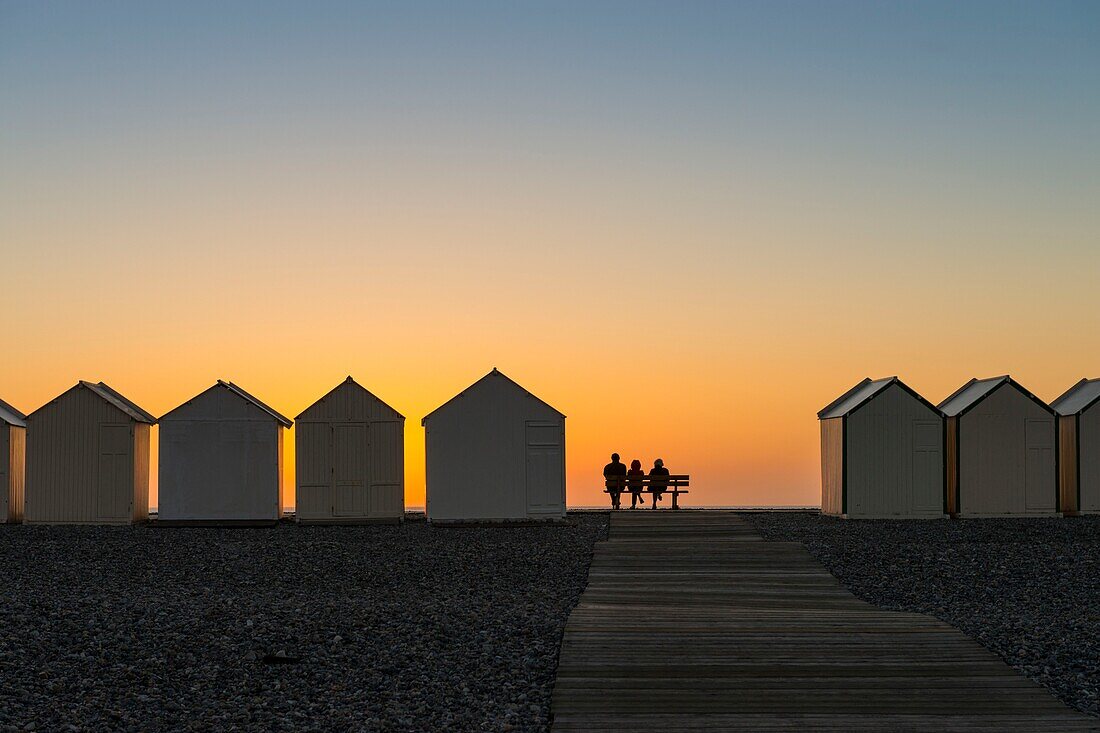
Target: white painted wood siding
x,y
1067,463
387,468
545,476
350,457
142,468
349,402
895,459
1090,460
832,466
80,467
1007,461
313,466
350,450
478,461
5,474
220,460
17,441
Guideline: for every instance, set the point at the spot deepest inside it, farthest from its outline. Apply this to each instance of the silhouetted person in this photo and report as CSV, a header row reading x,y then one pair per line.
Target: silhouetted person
x,y
614,475
657,482
634,482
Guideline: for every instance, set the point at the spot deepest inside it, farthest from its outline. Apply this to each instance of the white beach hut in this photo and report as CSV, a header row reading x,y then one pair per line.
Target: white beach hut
x,y
882,453
1079,447
1001,457
221,459
88,459
350,459
495,452
13,441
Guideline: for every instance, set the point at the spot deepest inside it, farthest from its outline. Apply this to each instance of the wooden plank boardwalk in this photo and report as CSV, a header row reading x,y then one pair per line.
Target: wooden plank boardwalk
x,y
691,622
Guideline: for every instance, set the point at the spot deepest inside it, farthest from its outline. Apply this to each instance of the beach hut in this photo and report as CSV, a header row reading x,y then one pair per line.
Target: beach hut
x,y
221,459
882,453
88,459
1001,457
494,452
13,440
349,459
1079,447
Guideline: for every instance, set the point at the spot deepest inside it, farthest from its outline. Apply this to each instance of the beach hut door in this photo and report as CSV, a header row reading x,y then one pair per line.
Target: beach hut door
x,y
1040,477
112,499
927,480
544,467
350,469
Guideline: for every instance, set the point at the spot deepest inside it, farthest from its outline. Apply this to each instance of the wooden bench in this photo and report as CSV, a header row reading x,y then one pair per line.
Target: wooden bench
x,y
674,484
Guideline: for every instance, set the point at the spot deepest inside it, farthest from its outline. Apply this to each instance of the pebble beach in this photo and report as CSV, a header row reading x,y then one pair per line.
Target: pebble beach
x,y
395,628
415,628
1027,589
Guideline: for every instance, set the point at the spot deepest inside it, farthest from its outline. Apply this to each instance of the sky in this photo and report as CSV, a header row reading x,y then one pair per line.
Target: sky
x,y
688,226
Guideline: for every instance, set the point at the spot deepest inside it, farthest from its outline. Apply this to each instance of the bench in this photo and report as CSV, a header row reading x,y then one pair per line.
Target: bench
x,y
674,484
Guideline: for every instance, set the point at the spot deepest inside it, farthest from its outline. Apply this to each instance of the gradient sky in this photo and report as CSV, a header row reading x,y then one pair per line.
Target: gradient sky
x,y
686,225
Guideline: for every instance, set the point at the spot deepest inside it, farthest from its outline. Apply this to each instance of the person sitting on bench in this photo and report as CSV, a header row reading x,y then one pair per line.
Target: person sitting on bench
x,y
634,483
614,474
657,483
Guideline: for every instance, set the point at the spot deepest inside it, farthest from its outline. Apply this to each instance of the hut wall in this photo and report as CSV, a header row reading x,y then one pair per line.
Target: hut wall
x,y
220,470
1090,459
349,402
350,457
280,437
387,469
1067,463
80,462
494,454
1007,460
313,470
832,466
894,458
349,471
141,471
952,465
17,469
5,474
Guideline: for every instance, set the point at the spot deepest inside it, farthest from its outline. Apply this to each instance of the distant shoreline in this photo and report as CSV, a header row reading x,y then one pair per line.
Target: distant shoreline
x,y
601,508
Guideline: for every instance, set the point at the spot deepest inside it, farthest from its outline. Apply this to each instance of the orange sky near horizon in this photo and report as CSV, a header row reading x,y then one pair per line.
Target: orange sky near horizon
x,y
704,331
687,227
744,427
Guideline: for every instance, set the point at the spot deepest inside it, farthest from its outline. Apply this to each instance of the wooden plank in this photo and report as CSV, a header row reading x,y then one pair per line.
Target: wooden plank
x,y
691,622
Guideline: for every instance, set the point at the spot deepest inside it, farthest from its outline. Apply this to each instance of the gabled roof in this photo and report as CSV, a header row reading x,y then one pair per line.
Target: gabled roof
x,y
115,398
495,374
976,390
346,382
284,421
229,386
863,393
1078,398
970,394
12,416
854,397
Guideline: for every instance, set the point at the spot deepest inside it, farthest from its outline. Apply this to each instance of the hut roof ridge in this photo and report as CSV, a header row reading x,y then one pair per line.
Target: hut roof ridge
x,y
12,416
854,397
976,390
230,387
116,398
863,393
350,380
1078,398
494,373
286,422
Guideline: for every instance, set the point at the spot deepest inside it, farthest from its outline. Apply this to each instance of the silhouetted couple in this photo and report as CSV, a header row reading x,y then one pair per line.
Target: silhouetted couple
x,y
617,478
